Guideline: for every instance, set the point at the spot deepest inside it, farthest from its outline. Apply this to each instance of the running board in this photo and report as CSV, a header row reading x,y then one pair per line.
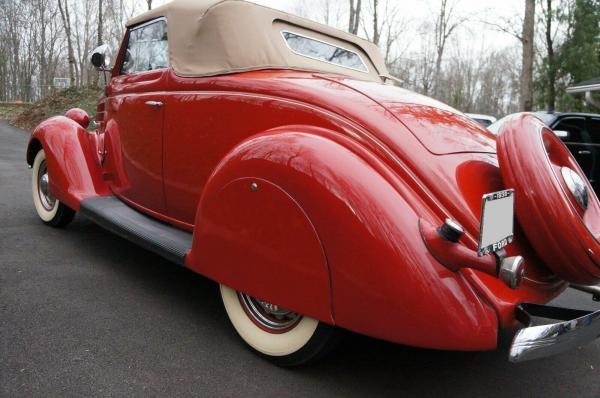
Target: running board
x,y
114,215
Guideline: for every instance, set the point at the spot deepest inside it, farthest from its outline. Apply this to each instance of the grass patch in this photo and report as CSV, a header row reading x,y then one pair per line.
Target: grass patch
x,y
57,104
10,110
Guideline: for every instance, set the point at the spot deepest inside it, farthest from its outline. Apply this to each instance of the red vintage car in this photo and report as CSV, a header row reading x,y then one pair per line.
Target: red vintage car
x,y
275,156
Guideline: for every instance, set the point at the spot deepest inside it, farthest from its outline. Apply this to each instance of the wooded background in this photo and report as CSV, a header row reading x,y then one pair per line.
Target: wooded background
x,y
557,43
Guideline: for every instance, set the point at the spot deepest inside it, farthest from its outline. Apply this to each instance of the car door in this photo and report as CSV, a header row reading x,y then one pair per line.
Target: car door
x,y
134,130
579,142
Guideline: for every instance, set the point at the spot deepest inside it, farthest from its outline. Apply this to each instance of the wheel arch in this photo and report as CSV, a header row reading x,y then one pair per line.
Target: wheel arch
x,y
33,147
74,169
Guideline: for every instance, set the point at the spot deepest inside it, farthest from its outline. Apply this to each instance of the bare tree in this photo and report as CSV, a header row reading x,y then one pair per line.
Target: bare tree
x,y
376,27
354,20
100,27
63,6
99,38
550,67
445,25
149,4
527,38
386,29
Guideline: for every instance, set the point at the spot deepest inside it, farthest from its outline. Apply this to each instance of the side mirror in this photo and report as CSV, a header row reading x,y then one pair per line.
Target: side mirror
x,y
562,134
100,57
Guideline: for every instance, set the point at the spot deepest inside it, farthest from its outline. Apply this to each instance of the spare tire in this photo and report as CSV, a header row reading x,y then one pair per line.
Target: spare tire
x,y
555,204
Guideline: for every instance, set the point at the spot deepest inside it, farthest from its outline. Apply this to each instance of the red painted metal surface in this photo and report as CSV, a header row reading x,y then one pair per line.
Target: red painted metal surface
x,y
70,154
134,138
454,255
352,166
562,232
255,238
79,116
384,281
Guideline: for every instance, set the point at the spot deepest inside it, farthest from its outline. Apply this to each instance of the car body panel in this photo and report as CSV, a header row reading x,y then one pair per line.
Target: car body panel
x,y
357,173
72,158
364,225
134,138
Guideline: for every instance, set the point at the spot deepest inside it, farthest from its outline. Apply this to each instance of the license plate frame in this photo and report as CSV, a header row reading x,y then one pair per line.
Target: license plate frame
x,y
497,221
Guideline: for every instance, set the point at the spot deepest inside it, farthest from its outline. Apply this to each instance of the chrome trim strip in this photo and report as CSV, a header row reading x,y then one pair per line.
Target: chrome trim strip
x,y
546,340
282,32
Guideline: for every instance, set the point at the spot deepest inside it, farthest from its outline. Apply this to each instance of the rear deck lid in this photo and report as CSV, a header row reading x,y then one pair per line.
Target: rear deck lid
x,y
440,128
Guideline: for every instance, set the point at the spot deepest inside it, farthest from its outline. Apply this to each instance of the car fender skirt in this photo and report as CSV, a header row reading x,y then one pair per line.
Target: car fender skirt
x,y
305,218
73,164
563,233
259,241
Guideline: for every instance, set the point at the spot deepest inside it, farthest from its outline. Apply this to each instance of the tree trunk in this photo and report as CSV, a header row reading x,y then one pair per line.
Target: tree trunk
x,y
43,79
99,38
440,44
354,20
527,38
149,4
64,13
376,29
551,68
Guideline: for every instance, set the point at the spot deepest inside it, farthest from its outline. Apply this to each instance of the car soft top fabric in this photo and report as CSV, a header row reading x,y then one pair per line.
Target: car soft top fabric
x,y
215,37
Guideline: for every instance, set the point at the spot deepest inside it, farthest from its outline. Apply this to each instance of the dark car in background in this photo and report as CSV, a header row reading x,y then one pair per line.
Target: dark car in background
x,y
581,134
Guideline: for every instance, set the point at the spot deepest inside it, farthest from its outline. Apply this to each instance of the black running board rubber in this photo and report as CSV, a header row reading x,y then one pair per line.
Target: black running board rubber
x,y
114,215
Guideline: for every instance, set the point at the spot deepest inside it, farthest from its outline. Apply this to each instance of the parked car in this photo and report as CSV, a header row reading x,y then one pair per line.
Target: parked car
x,y
275,158
581,134
484,120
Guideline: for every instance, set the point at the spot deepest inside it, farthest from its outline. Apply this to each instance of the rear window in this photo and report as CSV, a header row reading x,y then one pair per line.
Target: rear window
x,y
322,51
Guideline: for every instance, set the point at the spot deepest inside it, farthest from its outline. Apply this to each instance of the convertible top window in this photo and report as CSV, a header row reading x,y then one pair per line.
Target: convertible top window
x,y
147,48
319,50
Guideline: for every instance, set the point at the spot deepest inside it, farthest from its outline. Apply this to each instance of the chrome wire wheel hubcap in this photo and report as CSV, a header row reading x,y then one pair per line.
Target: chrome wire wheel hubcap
x,y
267,316
46,199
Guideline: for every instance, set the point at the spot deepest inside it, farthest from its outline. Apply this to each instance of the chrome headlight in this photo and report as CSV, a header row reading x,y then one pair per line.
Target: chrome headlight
x,y
577,186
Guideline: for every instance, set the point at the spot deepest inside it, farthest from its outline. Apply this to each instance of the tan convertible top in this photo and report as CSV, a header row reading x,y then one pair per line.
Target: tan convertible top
x,y
215,37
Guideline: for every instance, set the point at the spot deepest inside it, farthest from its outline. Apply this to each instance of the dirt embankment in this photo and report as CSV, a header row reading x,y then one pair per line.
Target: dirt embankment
x,y
29,116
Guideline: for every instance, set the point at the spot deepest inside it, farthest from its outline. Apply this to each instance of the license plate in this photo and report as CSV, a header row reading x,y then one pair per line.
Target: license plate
x,y
497,221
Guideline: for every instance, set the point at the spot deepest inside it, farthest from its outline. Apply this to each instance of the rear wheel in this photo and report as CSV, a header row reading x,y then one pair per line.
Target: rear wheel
x,y
48,208
283,337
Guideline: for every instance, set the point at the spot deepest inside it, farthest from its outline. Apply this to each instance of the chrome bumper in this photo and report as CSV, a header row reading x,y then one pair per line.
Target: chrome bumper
x,y
577,328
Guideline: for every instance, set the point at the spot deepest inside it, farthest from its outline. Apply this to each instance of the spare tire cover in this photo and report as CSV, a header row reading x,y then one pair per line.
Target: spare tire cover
x,y
560,230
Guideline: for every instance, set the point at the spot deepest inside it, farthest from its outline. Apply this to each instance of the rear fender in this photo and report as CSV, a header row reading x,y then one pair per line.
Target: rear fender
x,y
71,154
376,276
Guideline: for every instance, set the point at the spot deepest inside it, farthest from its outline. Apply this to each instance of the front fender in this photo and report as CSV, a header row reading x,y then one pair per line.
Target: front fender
x,y
382,281
71,154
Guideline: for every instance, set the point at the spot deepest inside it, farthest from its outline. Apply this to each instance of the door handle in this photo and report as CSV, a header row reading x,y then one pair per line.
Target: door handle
x,y
584,152
155,104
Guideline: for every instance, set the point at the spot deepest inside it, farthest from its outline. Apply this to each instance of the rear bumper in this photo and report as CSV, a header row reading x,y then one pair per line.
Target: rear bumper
x,y
577,328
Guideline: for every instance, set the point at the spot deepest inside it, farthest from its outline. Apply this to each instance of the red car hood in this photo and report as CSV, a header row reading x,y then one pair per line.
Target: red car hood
x,y
440,128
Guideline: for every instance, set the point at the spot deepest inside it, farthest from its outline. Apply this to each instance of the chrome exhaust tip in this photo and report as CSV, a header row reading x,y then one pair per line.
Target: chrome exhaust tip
x,y
512,271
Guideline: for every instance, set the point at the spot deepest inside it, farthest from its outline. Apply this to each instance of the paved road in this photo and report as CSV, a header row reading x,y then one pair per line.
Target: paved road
x,y
83,312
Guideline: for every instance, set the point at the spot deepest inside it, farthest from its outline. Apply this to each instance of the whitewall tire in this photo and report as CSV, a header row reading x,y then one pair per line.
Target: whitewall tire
x,y
286,339
49,209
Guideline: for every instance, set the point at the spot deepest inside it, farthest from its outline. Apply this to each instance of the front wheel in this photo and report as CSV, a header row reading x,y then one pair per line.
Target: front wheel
x,y
48,208
283,337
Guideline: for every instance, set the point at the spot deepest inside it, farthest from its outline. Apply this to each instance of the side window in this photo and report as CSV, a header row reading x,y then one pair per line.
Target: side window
x,y
147,48
576,129
593,127
321,51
